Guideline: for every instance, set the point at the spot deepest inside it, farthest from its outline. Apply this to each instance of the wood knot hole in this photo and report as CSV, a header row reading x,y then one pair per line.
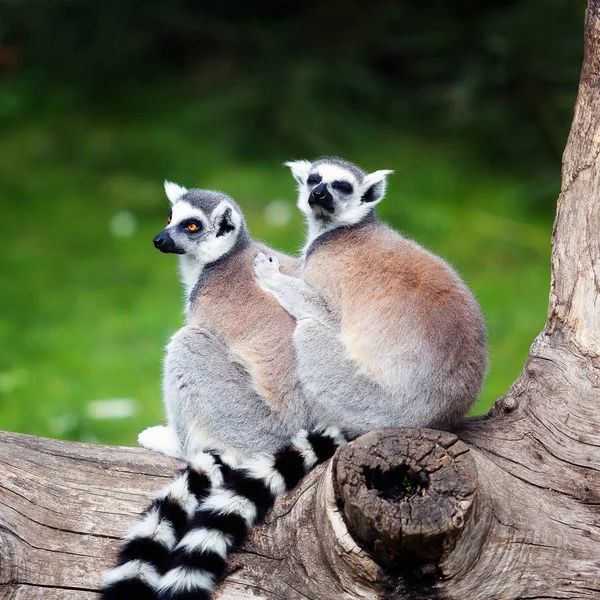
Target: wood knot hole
x,y
399,483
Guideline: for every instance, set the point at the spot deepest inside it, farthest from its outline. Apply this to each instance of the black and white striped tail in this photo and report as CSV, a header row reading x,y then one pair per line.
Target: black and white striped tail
x,y
146,552
224,519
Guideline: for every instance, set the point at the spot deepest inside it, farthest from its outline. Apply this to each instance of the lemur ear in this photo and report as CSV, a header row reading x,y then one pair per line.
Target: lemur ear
x,y
174,191
300,169
374,186
224,219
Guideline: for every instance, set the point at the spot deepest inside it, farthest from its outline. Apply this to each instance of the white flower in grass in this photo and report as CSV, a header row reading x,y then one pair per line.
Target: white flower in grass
x,y
277,213
123,224
113,408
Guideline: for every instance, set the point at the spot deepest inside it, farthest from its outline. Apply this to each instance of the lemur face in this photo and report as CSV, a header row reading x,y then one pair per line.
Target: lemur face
x,y
336,192
201,223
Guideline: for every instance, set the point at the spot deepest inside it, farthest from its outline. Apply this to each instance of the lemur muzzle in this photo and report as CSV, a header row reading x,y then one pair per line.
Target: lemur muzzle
x,y
320,196
164,242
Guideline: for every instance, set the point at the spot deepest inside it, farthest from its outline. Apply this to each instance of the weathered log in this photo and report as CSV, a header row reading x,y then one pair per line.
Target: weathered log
x,y
508,508
64,507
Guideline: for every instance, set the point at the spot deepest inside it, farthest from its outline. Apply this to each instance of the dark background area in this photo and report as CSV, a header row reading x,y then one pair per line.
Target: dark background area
x,y
502,74
469,102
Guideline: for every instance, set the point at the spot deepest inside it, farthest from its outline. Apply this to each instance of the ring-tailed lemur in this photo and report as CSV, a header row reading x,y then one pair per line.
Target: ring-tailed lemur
x,y
230,385
387,333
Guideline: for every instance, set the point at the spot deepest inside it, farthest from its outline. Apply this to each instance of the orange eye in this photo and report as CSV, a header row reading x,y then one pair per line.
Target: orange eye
x,y
169,219
192,227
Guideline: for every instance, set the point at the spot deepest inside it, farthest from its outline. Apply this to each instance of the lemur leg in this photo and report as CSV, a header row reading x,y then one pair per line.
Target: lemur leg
x,y
210,400
336,391
161,438
294,294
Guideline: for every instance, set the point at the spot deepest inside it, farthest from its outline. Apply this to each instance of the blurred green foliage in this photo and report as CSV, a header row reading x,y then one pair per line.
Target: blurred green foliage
x,y
501,74
469,102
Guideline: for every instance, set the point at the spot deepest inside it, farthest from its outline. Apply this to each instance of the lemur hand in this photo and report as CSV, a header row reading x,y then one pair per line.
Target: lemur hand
x,y
266,269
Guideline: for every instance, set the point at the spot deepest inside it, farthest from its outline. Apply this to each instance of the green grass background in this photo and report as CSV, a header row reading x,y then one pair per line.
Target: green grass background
x,y
85,314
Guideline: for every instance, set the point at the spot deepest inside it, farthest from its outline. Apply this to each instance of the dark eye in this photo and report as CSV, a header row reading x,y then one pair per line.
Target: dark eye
x,y
342,186
314,179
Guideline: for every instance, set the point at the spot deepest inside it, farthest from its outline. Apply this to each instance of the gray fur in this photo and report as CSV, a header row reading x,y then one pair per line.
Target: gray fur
x,y
342,163
210,402
207,200
340,394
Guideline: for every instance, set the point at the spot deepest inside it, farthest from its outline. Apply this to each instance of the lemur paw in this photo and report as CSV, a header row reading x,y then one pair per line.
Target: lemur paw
x,y
160,439
266,268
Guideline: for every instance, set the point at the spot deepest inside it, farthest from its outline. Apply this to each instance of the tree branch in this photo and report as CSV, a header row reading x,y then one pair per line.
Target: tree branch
x,y
575,249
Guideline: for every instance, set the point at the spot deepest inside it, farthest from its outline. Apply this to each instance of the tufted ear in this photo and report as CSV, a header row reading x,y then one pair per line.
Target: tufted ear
x,y
300,169
174,191
374,186
225,219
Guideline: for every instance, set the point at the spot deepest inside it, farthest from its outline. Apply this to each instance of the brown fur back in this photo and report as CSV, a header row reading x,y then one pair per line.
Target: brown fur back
x,y
392,298
251,323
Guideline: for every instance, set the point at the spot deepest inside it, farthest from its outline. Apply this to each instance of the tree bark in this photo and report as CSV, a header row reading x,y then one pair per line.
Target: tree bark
x,y
508,507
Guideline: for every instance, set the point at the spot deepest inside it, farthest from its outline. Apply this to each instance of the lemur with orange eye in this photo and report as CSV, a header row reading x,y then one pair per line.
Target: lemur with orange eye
x,y
235,410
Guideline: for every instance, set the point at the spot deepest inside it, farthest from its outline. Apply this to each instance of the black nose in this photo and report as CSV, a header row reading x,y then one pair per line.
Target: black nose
x,y
319,192
320,196
164,242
